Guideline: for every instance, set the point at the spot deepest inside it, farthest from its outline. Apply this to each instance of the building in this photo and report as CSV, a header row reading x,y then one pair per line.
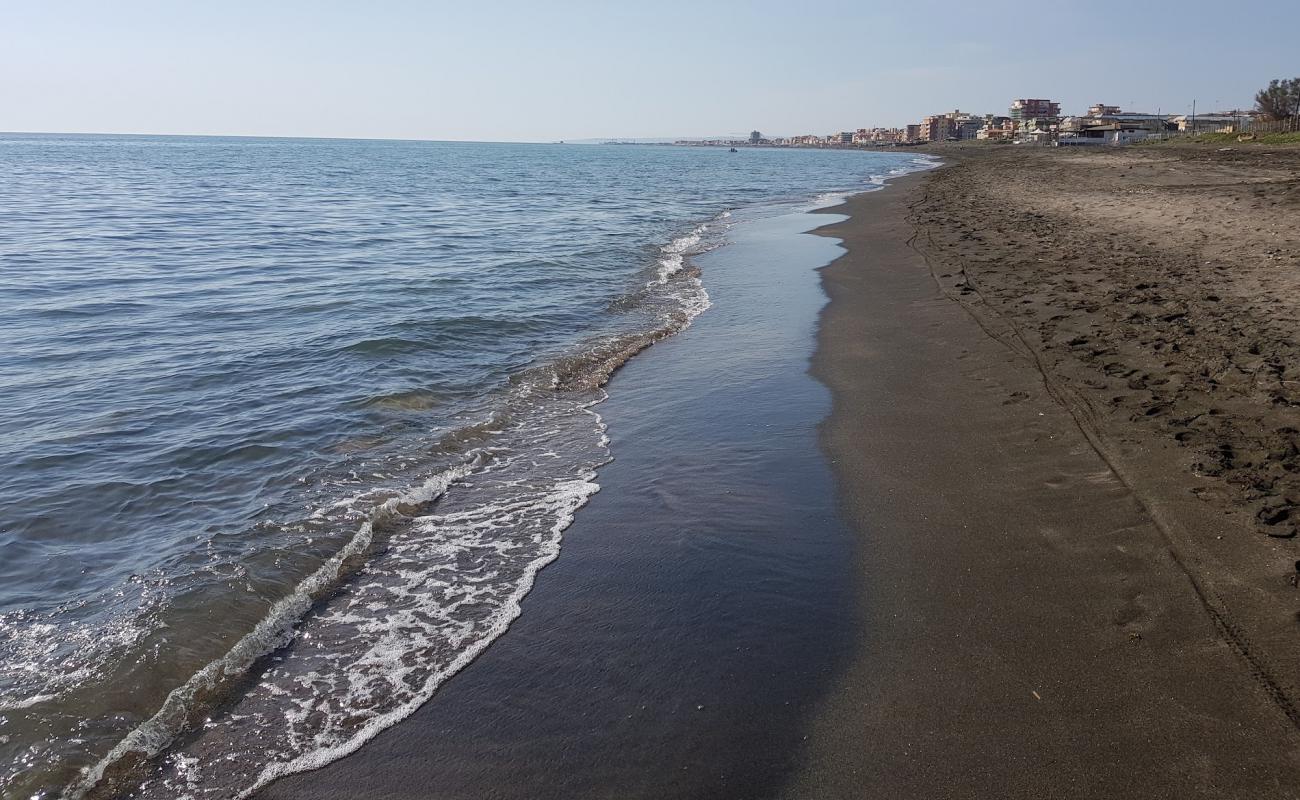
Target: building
x,y
996,127
1102,133
1130,123
912,133
967,126
1034,109
1102,110
936,128
755,137
1207,123
956,124
1039,136
1034,115
872,137
1108,125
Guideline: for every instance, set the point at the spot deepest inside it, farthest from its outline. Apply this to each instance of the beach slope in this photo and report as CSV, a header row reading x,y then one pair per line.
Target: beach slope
x,y
1033,628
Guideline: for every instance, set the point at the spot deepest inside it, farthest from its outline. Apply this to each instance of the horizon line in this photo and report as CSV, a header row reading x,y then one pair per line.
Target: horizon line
x,y
280,136
370,138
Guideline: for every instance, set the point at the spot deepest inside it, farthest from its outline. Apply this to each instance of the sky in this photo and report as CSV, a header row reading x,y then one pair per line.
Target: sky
x,y
501,70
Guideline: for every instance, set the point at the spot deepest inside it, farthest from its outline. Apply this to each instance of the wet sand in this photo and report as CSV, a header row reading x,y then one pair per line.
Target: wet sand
x,y
703,600
1038,622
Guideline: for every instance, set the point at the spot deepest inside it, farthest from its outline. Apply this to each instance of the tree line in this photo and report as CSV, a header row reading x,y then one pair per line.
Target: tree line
x,y
1280,100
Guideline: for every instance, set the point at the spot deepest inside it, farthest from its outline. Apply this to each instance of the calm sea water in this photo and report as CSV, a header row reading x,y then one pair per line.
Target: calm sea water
x,y
289,426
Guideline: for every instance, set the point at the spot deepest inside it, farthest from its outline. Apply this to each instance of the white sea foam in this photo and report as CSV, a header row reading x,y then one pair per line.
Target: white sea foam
x,y
442,588
877,181
321,748
42,657
25,702
675,252
273,631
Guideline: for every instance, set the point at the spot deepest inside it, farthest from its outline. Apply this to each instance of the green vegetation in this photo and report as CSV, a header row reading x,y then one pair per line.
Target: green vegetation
x,y
1260,138
1226,138
1280,99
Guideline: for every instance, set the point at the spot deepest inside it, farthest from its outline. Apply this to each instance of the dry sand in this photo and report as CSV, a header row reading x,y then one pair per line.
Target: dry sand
x,y
1065,425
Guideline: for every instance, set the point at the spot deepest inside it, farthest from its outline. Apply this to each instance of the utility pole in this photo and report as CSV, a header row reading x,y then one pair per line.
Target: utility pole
x,y
1193,117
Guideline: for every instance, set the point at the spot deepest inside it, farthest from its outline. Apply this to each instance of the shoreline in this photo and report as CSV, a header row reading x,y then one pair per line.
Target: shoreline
x,y
703,600
897,560
405,638
1028,632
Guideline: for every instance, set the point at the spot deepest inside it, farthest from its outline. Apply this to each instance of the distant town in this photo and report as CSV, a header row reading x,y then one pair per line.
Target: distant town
x,y
1035,121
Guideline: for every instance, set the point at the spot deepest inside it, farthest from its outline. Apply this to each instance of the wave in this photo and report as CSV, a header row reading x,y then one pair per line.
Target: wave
x,y
674,254
275,630
426,582
565,502
406,400
387,346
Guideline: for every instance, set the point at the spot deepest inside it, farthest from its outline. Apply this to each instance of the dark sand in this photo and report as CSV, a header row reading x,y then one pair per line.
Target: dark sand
x,y
1035,625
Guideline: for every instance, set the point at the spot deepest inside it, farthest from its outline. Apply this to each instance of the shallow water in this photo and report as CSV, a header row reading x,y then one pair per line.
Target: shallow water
x,y
289,425
706,597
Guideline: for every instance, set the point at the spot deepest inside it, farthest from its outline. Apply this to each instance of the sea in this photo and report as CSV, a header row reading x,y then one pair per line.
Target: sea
x,y
290,426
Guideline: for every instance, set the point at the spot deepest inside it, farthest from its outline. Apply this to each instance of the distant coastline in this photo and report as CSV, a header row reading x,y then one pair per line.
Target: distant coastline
x,y
738,143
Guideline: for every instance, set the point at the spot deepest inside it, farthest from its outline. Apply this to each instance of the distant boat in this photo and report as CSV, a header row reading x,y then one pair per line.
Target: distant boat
x,y
734,150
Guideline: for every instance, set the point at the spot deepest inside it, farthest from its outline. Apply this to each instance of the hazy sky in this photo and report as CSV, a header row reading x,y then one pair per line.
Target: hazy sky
x,y
539,71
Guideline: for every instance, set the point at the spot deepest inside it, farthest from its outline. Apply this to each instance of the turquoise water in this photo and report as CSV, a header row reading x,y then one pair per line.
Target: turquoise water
x,y
290,425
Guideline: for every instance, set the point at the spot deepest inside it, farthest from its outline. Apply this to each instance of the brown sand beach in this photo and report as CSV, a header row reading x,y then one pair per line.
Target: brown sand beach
x,y
1066,418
